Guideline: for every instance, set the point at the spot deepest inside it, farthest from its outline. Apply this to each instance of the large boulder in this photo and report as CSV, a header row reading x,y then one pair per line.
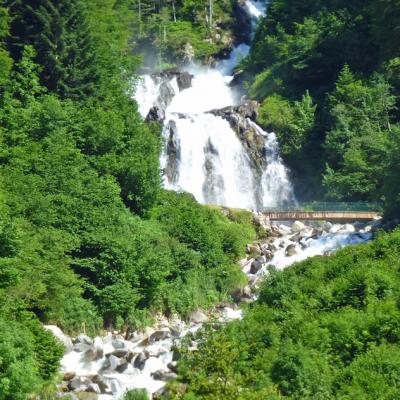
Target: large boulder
x,y
156,114
184,80
102,384
111,363
60,335
198,317
83,343
298,226
255,267
291,250
79,384
160,335
140,361
164,376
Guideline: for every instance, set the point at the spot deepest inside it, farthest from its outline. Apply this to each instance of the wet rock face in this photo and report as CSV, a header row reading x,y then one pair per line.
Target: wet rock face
x,y
156,114
239,118
174,153
183,78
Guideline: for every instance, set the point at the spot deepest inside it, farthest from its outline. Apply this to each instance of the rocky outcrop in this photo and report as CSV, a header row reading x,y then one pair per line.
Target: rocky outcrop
x,y
173,150
183,78
241,120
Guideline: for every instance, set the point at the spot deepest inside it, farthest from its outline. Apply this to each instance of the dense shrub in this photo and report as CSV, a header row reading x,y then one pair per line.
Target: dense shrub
x,y
325,328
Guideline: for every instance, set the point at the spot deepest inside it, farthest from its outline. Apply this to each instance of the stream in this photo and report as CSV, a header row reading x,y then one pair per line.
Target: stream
x,y
215,150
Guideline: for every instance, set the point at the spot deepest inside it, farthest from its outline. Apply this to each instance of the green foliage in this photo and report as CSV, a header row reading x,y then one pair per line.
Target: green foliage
x,y
29,357
137,394
325,328
342,54
293,123
87,237
183,29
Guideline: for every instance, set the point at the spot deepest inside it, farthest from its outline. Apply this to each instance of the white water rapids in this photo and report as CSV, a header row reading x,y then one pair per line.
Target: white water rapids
x,y
207,157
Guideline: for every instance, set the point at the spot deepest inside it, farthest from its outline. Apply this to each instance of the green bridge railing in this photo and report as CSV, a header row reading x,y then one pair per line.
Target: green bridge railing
x,y
329,206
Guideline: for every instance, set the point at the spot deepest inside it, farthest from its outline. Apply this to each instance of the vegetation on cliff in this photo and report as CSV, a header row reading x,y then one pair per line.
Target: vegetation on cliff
x,y
327,74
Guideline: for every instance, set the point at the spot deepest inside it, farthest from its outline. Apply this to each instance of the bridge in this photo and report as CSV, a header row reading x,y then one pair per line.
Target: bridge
x,y
326,211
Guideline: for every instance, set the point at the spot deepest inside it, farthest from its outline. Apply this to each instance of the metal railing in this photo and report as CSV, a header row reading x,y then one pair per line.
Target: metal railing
x,y
328,206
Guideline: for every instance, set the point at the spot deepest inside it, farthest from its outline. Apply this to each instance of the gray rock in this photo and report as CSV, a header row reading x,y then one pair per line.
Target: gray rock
x,y
164,376
160,335
184,80
261,259
255,267
59,334
253,249
68,376
111,363
298,226
291,250
102,384
83,339
123,366
156,114
173,366
140,361
198,317
93,388
79,384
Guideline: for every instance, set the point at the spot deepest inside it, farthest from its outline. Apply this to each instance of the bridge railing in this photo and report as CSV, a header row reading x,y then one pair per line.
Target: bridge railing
x,y
328,206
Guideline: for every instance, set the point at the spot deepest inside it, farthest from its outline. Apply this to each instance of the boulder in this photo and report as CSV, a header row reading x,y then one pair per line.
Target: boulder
x,y
239,294
68,376
298,226
255,267
155,114
140,361
95,352
164,376
160,335
154,350
83,343
93,388
198,317
126,368
291,250
79,384
102,384
253,249
261,259
60,335
111,363
184,80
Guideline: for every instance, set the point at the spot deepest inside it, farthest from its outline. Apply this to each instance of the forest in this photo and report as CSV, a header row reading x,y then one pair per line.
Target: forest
x,y
328,76
88,239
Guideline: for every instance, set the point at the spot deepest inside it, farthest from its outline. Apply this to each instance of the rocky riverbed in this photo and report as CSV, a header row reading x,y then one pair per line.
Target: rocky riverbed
x,y
104,368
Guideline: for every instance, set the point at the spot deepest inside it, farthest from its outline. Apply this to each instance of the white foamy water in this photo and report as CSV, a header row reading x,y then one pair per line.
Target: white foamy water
x,y
310,247
147,92
203,154
256,8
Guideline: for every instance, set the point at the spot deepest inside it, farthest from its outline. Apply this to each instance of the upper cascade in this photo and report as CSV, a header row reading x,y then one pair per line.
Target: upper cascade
x,y
213,148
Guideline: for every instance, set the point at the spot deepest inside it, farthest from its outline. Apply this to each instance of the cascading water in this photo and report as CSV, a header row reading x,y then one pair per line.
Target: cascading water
x,y
203,154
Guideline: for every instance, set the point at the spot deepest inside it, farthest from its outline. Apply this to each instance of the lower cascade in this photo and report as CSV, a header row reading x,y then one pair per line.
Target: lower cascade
x,y
106,368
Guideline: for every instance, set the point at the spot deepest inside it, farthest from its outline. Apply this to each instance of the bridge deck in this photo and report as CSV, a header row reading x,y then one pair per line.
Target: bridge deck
x,y
322,215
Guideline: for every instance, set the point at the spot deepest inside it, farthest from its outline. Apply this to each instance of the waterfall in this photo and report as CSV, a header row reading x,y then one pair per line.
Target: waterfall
x,y
204,152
